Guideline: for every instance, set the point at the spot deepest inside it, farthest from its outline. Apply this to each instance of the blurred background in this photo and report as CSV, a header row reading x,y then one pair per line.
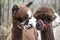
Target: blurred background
x,y
6,15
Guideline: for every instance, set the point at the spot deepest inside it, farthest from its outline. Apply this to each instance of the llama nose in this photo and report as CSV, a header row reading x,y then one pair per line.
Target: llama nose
x,y
39,25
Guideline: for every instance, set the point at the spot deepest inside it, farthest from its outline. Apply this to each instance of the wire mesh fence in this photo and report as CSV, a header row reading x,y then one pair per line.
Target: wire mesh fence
x,y
6,14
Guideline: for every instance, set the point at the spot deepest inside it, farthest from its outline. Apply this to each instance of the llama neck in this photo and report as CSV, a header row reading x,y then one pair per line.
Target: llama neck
x,y
47,34
16,33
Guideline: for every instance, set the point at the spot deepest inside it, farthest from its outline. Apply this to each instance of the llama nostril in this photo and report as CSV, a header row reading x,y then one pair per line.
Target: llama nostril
x,y
38,24
26,22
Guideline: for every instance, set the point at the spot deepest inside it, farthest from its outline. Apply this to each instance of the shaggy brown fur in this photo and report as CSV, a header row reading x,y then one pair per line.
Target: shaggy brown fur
x,y
43,13
19,16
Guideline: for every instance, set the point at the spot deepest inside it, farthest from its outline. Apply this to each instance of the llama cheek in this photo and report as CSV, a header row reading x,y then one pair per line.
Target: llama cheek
x,y
29,12
32,21
34,24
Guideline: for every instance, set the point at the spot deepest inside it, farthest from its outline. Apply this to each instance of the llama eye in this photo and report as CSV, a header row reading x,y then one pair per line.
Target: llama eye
x,y
48,20
20,20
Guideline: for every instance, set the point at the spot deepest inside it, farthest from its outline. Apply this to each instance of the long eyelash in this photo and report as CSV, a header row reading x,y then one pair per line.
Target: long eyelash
x,y
20,20
48,20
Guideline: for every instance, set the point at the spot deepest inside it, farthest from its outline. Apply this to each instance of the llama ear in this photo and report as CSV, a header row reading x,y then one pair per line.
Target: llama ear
x,y
15,8
30,3
54,17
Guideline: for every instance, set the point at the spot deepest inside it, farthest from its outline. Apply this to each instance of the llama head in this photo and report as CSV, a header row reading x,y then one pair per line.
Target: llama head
x,y
21,14
44,16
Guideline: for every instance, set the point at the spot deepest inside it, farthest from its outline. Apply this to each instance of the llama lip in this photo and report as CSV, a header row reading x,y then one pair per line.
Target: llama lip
x,y
40,25
28,26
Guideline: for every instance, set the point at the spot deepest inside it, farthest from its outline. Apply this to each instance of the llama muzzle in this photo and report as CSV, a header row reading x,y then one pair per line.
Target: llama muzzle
x,y
25,25
40,25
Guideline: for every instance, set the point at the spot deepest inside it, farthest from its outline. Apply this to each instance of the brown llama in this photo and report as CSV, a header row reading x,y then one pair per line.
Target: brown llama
x,y
20,17
45,16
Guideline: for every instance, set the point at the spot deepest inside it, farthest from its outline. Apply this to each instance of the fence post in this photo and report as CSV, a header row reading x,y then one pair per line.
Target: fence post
x,y
0,12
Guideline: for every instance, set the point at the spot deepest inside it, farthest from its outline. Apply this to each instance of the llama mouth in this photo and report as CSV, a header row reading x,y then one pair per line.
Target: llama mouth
x,y
26,25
